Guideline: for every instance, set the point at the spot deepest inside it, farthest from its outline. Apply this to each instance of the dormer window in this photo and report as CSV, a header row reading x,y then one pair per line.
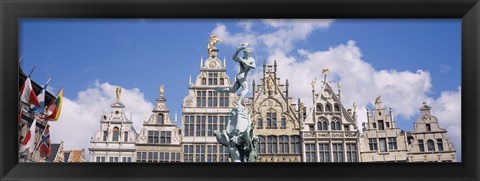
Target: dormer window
x,y
116,132
336,108
160,119
428,127
319,107
328,108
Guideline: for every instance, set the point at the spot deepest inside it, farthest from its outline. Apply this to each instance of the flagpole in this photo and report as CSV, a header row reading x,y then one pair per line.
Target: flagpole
x,y
31,71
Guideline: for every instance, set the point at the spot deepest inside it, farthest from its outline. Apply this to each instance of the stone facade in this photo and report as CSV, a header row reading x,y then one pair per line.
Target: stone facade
x,y
381,140
276,119
159,139
428,142
329,133
204,110
115,141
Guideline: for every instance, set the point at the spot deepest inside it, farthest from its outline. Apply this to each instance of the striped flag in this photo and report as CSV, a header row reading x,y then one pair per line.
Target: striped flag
x,y
27,145
53,111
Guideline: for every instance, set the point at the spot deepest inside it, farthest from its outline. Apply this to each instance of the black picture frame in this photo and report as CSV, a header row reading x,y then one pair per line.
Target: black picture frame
x,y
12,10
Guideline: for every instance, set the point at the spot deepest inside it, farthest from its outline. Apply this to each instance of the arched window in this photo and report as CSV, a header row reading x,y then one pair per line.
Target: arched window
x,y
295,144
259,122
322,124
283,122
283,143
335,124
319,107
336,108
272,144
160,119
116,132
262,145
328,108
204,81
430,145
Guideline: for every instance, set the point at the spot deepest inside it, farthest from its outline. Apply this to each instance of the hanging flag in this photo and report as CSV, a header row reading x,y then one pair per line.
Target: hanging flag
x,y
44,146
28,94
41,99
53,111
27,145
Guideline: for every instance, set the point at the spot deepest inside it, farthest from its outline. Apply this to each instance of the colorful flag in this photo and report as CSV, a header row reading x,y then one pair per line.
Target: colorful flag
x,y
53,111
44,146
27,145
28,94
41,99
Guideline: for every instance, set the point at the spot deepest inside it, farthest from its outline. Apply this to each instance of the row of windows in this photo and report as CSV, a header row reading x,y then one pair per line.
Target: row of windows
x,y
115,135
213,79
328,107
204,125
271,121
278,144
430,145
158,157
336,154
163,137
212,98
112,159
335,124
381,125
205,153
382,142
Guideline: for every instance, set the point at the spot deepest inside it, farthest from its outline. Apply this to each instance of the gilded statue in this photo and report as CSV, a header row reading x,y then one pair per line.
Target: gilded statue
x,y
270,83
354,106
325,71
313,83
118,91
213,40
162,90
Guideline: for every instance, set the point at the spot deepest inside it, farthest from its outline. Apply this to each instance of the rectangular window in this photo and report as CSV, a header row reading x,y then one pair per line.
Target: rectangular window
x,y
324,152
383,144
105,135
271,119
150,157
165,137
380,125
374,125
387,124
162,157
310,153
212,124
222,81
102,159
421,148
125,136
153,137
186,126
188,153
372,142
223,155
337,152
167,156
223,122
392,143
440,144
177,157
201,98
97,159
351,152
428,127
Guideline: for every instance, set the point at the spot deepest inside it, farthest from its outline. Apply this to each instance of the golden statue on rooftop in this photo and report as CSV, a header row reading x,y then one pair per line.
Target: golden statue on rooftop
x,y
377,100
162,90
270,83
213,40
118,91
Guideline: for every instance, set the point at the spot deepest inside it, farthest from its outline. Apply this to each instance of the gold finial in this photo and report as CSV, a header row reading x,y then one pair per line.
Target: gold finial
x,y
162,90
270,83
339,84
325,71
313,83
118,91
377,100
213,40
354,106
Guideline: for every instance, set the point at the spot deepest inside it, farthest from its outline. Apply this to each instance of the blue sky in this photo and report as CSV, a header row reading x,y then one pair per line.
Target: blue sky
x,y
144,53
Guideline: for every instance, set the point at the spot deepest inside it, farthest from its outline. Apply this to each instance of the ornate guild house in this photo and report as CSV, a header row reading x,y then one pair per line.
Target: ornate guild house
x,y
330,131
159,139
205,110
276,119
115,141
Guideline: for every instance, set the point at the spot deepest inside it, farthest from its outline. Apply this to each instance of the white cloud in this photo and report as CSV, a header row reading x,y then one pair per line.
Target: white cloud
x,y
80,117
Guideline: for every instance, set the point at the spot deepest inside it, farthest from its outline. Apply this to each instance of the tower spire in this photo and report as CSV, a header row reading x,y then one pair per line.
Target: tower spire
x,y
201,62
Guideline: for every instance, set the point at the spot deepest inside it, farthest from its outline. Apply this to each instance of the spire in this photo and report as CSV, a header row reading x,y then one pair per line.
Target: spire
x,y
264,80
313,89
286,89
190,79
201,62
176,117
339,86
224,62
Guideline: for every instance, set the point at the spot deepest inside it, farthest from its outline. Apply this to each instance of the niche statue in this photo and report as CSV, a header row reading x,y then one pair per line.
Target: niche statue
x,y
238,135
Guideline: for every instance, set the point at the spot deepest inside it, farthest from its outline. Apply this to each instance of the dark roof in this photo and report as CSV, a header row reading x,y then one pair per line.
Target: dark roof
x,y
66,155
36,87
55,148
